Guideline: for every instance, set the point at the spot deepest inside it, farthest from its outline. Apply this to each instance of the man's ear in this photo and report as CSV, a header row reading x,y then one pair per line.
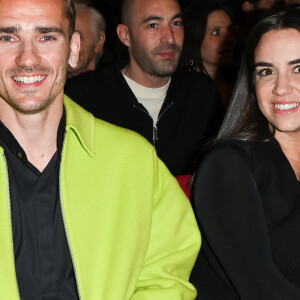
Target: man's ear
x,y
247,6
100,43
123,34
74,49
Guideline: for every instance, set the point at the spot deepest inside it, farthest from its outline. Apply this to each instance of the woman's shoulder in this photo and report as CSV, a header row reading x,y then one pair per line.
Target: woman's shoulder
x,y
239,148
230,158
229,149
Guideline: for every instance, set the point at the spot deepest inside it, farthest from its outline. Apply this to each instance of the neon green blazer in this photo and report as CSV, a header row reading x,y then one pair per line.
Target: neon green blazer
x,y
131,230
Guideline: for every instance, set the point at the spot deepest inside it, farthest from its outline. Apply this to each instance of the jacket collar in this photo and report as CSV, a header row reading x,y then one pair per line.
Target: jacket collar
x,y
82,123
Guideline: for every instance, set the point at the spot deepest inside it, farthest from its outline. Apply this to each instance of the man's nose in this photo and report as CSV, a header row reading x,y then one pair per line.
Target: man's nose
x,y
28,55
167,35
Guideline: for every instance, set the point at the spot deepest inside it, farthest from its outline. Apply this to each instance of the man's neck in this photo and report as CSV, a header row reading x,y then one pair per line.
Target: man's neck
x,y
36,133
143,78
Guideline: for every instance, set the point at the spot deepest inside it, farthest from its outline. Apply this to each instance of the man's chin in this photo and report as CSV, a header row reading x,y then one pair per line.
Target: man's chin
x,y
168,66
164,72
29,106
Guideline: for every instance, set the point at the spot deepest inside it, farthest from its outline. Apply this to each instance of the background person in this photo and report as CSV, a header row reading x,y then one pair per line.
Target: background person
x,y
252,5
175,111
246,190
210,44
91,26
253,11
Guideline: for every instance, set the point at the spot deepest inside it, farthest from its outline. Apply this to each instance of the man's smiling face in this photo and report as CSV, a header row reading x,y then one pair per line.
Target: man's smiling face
x,y
34,53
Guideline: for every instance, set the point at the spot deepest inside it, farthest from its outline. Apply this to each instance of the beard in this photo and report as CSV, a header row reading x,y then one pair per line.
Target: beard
x,y
30,107
150,62
29,101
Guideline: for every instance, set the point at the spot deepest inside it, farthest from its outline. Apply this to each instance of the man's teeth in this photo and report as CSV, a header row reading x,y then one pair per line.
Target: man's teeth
x,y
29,80
286,106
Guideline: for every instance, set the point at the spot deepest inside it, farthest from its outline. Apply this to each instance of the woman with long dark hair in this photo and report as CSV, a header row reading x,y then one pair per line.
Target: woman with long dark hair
x,y
247,189
210,44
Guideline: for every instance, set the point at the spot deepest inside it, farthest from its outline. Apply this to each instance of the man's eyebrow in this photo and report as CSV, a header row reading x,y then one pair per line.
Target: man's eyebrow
x,y
152,18
179,15
42,29
10,29
158,18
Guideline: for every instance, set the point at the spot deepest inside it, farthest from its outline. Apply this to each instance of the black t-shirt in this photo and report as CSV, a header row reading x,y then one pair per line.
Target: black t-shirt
x,y
43,263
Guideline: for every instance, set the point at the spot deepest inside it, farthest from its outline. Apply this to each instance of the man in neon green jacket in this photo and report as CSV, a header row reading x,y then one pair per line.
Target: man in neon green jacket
x,y
87,209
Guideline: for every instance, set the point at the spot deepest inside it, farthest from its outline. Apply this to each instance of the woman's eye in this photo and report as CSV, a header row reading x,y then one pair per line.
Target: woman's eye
x,y
216,32
266,72
297,69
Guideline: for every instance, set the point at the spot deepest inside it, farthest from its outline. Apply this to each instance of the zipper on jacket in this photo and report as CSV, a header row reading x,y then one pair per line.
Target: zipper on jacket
x,y
160,115
154,126
155,134
10,214
141,109
64,222
155,129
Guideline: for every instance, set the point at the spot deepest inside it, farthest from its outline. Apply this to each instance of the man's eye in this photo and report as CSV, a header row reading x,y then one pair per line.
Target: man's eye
x,y
178,23
47,38
152,25
7,39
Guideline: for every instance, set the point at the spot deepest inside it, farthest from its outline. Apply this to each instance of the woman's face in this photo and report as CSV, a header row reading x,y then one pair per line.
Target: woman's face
x,y
277,78
219,42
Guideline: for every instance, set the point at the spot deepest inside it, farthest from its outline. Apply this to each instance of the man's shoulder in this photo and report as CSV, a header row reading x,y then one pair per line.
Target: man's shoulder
x,y
194,89
119,133
99,76
95,89
192,77
103,134
122,139
191,84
